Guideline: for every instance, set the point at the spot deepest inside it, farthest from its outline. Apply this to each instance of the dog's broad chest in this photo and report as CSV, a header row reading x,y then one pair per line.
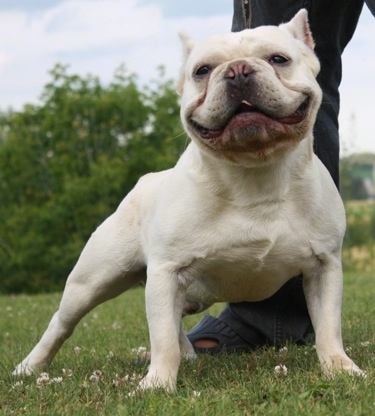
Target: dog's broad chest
x,y
252,260
236,255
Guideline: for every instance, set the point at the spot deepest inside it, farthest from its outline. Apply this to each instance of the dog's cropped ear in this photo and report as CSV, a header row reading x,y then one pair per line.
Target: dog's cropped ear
x,y
300,29
187,45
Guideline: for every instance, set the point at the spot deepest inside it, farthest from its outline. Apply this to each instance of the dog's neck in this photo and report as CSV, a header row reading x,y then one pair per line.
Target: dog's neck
x,y
248,186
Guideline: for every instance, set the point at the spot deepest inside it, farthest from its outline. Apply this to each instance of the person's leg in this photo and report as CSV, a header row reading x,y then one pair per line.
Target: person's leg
x,y
248,325
284,316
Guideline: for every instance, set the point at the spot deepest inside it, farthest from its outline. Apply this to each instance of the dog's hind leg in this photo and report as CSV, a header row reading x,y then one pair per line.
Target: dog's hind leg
x,y
108,265
186,348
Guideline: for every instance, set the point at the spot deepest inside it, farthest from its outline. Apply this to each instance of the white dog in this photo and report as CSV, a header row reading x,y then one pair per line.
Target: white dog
x,y
247,206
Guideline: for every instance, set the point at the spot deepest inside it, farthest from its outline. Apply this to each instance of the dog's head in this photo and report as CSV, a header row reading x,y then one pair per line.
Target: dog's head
x,y
249,96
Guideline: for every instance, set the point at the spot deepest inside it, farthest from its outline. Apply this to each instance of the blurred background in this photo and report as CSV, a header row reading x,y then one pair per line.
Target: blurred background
x,y
88,104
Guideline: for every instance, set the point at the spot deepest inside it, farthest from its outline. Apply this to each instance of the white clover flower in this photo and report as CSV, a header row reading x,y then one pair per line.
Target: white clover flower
x,y
95,376
118,381
196,393
67,373
281,369
135,377
42,380
139,350
365,343
141,353
56,380
18,384
283,349
77,350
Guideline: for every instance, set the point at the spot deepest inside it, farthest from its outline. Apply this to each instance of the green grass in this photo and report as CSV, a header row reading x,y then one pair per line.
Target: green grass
x,y
243,384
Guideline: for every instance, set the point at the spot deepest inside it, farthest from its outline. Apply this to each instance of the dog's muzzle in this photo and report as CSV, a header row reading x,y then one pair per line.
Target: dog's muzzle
x,y
245,108
248,113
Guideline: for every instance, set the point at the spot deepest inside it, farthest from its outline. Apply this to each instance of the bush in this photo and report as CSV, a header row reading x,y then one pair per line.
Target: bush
x,y
67,163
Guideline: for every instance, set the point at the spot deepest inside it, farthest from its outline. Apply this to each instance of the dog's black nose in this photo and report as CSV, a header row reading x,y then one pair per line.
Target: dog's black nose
x,y
238,73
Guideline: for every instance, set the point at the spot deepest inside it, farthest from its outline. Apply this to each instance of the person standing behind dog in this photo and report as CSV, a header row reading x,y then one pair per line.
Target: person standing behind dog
x,y
284,317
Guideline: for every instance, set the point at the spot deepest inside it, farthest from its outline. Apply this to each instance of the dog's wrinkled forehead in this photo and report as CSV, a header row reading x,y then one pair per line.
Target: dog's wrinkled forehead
x,y
257,43
292,40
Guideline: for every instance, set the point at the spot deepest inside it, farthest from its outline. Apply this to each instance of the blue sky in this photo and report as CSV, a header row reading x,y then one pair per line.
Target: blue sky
x,y
96,36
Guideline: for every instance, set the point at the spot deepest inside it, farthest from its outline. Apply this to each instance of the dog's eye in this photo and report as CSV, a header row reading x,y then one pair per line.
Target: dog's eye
x,y
278,59
202,70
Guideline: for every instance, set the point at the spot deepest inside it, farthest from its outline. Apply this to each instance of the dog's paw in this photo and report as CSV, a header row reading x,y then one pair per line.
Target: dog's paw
x,y
357,372
152,382
340,364
354,371
186,348
189,355
23,369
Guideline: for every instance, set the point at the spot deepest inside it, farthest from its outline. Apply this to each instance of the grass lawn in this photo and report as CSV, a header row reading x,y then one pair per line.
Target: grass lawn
x,y
99,366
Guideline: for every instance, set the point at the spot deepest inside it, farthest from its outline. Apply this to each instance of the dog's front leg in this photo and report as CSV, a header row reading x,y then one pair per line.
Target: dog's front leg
x,y
164,304
323,290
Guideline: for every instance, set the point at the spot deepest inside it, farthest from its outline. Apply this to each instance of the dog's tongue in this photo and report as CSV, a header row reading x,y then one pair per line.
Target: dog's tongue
x,y
245,106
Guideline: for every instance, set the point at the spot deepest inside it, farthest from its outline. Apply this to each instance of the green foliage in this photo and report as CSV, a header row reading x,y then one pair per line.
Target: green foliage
x,y
361,223
67,163
353,170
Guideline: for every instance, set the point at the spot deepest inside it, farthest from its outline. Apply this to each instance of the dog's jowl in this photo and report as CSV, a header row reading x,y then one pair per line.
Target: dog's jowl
x,y
247,206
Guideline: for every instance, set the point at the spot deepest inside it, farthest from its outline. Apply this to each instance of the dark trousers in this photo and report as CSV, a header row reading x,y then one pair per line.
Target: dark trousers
x,y
284,316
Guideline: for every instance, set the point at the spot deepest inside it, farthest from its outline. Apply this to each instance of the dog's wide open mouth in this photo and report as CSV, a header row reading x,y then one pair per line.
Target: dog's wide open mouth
x,y
246,114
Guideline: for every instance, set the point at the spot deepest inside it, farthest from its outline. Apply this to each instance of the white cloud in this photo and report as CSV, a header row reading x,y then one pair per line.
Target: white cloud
x,y
81,24
91,36
79,32
76,25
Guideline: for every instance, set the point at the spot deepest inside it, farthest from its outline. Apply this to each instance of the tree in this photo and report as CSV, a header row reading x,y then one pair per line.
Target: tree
x,y
354,170
68,162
